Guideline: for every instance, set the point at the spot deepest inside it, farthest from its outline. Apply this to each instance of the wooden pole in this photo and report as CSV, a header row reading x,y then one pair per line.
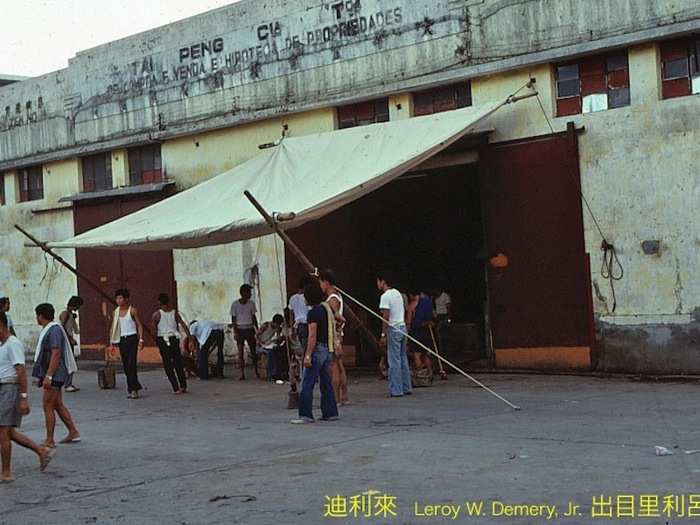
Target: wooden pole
x,y
73,270
307,264
62,261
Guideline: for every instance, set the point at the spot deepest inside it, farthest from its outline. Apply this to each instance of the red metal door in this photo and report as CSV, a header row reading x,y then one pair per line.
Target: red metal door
x,y
539,309
145,274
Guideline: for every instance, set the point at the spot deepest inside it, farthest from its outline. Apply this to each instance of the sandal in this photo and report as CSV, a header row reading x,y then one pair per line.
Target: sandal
x,y
46,444
69,439
44,461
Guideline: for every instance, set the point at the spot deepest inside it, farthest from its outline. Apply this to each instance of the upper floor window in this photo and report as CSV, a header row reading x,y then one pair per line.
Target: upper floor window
x,y
363,113
31,184
593,84
145,165
443,98
97,172
680,67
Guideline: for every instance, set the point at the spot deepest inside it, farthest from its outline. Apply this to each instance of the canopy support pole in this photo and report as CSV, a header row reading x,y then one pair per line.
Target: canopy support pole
x,y
73,270
306,263
63,262
351,315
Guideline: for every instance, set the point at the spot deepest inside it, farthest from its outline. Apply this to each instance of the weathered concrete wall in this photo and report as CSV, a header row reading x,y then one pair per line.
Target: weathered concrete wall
x,y
28,277
640,174
253,60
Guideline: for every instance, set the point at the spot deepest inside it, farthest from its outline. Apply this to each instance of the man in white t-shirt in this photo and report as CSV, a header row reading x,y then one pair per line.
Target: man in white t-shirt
x,y
209,336
394,336
443,304
13,401
245,325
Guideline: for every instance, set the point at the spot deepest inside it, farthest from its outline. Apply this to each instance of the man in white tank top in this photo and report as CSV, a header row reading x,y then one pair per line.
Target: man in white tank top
x,y
127,334
339,376
166,321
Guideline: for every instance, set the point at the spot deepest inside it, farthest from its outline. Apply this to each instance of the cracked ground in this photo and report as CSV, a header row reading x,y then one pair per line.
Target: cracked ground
x,y
226,453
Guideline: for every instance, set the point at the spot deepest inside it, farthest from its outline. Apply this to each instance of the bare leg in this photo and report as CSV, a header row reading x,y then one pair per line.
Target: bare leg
x,y
6,452
49,402
428,363
335,377
25,442
417,361
343,383
67,419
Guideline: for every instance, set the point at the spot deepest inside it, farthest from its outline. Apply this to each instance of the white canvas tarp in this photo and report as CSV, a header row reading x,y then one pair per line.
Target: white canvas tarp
x,y
310,176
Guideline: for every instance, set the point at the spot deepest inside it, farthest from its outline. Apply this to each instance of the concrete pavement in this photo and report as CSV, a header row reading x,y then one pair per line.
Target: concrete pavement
x,y
226,453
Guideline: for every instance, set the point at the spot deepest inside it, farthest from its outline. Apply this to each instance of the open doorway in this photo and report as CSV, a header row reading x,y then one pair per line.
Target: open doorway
x,y
426,227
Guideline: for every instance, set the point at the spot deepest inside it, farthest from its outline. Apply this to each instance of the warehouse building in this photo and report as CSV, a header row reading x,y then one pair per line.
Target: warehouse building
x,y
509,219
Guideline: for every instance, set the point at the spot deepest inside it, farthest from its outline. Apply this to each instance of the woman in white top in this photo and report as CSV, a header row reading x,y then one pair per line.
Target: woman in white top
x,y
127,333
339,376
166,321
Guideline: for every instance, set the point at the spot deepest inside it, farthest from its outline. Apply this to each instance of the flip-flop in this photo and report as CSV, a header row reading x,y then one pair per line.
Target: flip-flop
x,y
47,445
67,441
44,461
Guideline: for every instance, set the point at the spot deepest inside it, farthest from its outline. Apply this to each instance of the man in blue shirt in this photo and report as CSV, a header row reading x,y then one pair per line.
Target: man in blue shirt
x,y
420,329
52,373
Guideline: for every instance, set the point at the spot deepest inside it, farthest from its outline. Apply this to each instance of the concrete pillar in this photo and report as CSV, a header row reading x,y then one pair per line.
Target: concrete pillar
x,y
120,168
400,106
645,75
11,187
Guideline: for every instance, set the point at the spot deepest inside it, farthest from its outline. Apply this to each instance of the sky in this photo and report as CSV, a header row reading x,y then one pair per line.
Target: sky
x,y
39,36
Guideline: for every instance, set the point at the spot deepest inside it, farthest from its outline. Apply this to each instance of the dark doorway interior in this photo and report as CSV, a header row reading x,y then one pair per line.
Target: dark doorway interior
x,y
427,229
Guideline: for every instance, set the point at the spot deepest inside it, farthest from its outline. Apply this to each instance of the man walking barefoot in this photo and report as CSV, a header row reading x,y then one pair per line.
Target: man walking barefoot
x,y
54,362
13,401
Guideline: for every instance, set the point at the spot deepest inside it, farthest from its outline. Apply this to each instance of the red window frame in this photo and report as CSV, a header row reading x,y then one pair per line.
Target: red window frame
x,y
680,65
363,113
145,165
596,75
31,184
97,172
443,98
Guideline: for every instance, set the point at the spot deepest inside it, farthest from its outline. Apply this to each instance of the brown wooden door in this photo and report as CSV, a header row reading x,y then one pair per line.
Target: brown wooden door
x,y
539,303
145,274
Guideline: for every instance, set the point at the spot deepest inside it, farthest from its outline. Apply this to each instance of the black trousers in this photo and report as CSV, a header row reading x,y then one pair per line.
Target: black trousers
x,y
247,335
172,362
128,349
215,339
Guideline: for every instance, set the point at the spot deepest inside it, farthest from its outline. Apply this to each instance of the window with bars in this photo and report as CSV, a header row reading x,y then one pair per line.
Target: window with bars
x,y
145,166
680,67
593,84
31,184
363,113
443,98
97,172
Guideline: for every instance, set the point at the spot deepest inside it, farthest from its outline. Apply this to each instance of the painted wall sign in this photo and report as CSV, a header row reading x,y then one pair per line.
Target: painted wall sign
x,y
346,22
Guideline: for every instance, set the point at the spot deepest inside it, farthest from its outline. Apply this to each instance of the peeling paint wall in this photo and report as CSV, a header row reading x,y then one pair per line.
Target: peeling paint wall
x,y
640,174
639,167
254,60
28,277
